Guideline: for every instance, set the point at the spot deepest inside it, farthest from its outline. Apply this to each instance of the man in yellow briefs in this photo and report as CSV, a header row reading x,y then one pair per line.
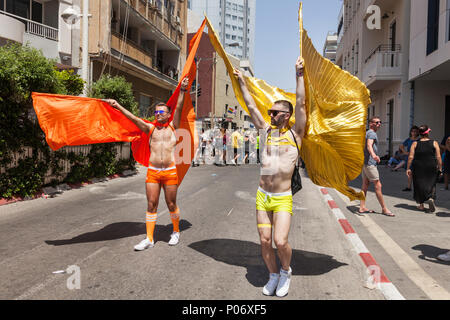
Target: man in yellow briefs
x,y
161,170
274,196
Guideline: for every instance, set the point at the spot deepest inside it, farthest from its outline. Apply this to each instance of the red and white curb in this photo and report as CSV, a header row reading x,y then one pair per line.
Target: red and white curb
x,y
377,278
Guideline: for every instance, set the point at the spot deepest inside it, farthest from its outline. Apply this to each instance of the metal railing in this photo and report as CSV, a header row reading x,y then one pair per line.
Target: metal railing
x,y
36,28
157,64
385,48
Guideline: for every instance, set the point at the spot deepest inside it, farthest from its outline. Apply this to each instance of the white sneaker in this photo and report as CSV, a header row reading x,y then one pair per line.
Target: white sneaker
x,y
431,205
444,256
174,239
271,286
283,284
144,244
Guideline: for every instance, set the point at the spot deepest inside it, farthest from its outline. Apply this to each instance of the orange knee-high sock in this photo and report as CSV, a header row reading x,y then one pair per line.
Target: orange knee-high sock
x,y
175,216
150,223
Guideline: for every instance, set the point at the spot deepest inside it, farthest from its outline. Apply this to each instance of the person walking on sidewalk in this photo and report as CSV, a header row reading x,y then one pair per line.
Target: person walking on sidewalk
x,y
405,149
370,172
274,195
162,170
424,165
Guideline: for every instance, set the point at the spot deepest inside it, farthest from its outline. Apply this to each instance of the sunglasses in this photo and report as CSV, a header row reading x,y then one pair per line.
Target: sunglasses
x,y
377,122
159,112
275,112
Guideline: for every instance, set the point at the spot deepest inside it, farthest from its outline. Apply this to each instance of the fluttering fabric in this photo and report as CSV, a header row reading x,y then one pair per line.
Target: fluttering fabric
x,y
72,121
336,104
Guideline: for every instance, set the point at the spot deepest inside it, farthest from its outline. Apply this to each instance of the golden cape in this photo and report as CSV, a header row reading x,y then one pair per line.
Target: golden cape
x,y
336,103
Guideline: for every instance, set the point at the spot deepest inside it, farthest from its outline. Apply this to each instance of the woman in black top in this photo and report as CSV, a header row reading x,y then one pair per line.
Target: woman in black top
x,y
425,158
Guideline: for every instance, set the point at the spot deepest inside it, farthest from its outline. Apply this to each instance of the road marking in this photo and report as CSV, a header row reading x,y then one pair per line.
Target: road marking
x,y
376,276
411,268
34,289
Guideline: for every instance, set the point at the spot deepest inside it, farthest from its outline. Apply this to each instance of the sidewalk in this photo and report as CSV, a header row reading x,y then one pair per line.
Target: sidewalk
x,y
405,246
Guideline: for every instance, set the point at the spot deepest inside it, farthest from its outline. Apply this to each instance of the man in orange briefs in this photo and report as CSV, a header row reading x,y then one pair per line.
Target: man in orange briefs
x,y
161,170
274,196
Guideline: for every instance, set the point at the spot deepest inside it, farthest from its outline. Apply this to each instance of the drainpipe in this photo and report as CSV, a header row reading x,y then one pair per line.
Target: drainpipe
x,y
411,105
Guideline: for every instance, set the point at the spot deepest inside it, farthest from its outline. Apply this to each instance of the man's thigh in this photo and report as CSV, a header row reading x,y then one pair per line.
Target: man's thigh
x,y
371,173
170,193
281,224
264,222
152,191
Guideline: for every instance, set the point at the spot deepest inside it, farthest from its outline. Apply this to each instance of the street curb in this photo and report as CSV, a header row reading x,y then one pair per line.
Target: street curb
x,y
375,272
42,194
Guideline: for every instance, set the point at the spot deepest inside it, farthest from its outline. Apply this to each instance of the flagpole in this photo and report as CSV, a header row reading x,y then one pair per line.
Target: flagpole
x,y
300,20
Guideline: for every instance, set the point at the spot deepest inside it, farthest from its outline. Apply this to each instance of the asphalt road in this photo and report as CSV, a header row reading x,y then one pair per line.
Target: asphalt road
x,y
94,228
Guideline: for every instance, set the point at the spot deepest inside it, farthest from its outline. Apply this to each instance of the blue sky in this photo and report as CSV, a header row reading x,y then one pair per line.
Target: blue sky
x,y
277,36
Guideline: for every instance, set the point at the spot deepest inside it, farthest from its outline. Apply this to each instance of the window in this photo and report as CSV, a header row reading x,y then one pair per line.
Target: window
x,y
226,89
448,20
433,26
19,8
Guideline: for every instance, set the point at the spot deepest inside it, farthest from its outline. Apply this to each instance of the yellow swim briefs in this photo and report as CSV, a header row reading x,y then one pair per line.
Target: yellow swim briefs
x,y
275,202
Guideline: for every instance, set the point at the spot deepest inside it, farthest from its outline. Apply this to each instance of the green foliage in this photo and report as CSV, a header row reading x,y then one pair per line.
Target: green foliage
x,y
72,82
109,87
23,70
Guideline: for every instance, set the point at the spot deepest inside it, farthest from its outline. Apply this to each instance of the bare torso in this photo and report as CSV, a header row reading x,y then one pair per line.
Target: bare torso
x,y
277,164
162,147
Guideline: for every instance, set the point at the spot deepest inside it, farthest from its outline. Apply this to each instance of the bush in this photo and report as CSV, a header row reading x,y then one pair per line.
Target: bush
x,y
24,69
72,82
109,87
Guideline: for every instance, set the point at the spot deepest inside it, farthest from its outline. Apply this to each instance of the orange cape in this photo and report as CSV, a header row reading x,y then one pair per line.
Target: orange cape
x,y
72,121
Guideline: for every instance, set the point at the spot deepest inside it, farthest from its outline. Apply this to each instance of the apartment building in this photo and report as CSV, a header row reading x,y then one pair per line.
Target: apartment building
x,y
405,63
234,21
212,92
144,41
330,46
39,24
379,58
429,70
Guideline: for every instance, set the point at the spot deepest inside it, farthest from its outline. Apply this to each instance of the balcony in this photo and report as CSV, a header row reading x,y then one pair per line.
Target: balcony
x,y
383,66
32,27
12,29
142,58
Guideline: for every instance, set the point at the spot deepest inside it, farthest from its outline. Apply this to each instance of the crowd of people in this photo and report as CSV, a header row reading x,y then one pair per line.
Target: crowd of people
x,y
424,159
223,147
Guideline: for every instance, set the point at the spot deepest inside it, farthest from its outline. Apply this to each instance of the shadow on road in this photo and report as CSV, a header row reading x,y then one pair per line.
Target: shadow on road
x,y
430,253
121,230
248,255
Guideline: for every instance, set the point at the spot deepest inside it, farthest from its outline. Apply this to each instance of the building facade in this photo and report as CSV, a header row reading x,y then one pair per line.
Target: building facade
x,y
39,24
330,46
234,21
429,71
212,92
405,63
379,58
144,41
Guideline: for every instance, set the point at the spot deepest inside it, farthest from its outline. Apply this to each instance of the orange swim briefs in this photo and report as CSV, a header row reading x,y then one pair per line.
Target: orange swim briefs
x,y
167,176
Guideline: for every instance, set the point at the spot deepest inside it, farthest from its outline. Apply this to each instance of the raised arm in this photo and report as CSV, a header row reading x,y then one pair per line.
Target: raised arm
x,y
180,102
255,114
300,109
141,124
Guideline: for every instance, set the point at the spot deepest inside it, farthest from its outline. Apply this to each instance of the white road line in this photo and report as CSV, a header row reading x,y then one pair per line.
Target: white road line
x,y
31,291
414,272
